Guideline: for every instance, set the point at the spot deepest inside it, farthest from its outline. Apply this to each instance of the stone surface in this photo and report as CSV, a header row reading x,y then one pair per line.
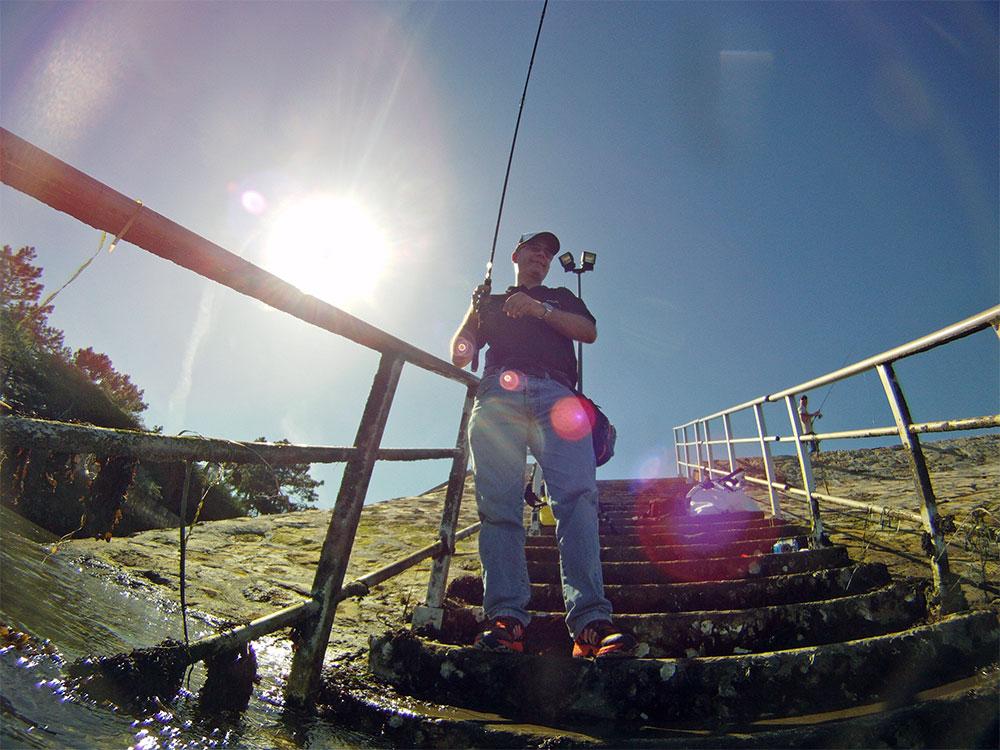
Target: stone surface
x,y
245,568
889,668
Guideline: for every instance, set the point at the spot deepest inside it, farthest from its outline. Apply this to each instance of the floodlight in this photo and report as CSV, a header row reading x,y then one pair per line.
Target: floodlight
x,y
589,259
567,261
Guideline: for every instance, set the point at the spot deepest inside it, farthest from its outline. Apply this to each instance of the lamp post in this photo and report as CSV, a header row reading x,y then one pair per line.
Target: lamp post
x,y
568,263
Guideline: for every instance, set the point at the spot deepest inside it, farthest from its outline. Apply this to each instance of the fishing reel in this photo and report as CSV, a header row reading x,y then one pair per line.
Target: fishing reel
x,y
480,293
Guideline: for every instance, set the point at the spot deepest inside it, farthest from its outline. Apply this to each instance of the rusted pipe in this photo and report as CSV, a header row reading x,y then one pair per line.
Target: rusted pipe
x,y
29,169
78,438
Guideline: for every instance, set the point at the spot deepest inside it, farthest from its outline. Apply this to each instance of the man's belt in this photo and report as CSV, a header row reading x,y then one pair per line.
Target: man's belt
x,y
537,371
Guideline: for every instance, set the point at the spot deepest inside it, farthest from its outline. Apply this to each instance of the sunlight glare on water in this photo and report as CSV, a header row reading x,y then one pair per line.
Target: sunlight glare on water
x,y
68,610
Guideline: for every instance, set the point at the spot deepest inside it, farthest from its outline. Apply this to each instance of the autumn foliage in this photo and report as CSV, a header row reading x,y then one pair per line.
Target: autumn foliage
x,y
94,495
25,320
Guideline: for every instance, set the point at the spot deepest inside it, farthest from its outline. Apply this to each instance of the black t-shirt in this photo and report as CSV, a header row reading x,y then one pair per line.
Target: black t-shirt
x,y
529,343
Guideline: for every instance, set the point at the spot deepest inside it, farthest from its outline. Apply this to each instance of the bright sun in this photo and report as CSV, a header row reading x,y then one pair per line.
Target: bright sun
x,y
328,246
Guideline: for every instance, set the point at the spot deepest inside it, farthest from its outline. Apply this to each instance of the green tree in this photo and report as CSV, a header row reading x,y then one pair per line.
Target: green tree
x,y
117,385
265,490
25,322
20,292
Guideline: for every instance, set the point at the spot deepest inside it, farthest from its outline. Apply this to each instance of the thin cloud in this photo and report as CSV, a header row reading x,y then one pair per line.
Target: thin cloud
x,y
945,35
746,56
177,405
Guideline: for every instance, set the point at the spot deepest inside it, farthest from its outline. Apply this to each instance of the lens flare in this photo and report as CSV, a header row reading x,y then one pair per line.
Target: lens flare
x,y
510,380
253,202
650,468
571,418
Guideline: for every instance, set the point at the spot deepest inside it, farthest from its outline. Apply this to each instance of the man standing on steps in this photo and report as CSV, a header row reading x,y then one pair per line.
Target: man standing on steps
x,y
806,418
525,400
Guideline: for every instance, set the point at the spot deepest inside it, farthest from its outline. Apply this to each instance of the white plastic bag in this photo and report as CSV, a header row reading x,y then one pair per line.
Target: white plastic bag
x,y
723,496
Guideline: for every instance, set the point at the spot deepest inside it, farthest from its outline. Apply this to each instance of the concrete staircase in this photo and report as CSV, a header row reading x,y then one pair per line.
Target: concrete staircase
x,y
741,647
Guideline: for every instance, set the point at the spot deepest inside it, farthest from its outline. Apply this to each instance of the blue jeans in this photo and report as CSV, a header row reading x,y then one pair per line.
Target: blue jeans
x,y
510,415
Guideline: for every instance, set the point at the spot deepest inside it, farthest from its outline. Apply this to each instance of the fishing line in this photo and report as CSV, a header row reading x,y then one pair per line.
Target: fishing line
x,y
832,385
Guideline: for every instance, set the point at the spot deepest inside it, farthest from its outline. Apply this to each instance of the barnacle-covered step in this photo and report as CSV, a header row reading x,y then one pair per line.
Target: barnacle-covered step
x,y
963,714
647,536
762,591
704,546
704,569
683,520
888,609
628,492
712,632
712,689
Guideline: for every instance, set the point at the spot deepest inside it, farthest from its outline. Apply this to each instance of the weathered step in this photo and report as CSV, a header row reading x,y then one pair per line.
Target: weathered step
x,y
964,714
645,533
684,521
888,609
654,537
658,553
630,490
708,569
713,689
826,583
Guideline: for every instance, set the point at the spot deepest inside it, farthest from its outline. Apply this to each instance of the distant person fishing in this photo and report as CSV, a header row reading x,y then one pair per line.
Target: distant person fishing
x,y
806,418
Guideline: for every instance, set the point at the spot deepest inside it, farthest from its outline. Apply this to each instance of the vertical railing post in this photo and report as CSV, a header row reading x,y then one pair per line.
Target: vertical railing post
x,y
687,453
708,448
314,633
697,451
728,429
805,466
765,454
431,613
945,583
677,450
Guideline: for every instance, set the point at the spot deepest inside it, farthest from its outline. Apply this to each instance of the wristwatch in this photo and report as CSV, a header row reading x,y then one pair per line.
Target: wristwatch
x,y
548,309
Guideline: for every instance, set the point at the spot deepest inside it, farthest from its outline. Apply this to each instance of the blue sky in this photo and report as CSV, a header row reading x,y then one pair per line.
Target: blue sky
x,y
773,190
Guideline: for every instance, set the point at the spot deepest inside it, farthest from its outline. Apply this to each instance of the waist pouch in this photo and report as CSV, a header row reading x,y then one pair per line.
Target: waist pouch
x,y
602,432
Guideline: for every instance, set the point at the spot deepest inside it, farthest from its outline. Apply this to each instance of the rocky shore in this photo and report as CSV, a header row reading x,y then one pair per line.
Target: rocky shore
x,y
245,568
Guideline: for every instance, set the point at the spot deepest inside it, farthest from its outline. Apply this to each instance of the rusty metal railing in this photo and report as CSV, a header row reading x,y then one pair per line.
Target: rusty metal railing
x,y
696,437
34,172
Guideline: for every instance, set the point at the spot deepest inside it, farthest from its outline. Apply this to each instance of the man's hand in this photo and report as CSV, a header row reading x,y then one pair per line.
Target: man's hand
x,y
520,305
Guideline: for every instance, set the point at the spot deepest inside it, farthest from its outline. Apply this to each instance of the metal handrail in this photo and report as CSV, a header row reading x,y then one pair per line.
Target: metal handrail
x,y
961,329
946,584
32,171
29,169
950,425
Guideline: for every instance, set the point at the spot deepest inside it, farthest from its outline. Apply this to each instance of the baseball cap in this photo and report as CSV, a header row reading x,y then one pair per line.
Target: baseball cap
x,y
548,239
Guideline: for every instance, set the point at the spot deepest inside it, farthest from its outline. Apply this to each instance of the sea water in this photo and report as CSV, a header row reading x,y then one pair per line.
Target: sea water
x,y
71,610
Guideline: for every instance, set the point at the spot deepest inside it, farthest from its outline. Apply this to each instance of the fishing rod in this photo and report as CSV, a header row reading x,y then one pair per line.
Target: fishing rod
x,y
510,157
487,285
